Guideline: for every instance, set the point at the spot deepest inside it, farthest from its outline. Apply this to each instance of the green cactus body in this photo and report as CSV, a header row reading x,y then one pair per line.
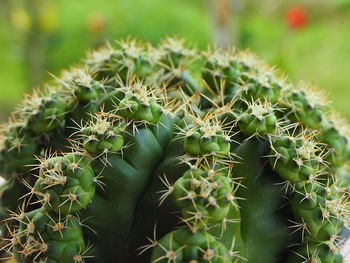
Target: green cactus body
x,y
165,154
43,233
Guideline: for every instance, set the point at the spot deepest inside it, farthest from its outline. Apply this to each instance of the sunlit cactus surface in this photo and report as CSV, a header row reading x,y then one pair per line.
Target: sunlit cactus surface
x,y
167,154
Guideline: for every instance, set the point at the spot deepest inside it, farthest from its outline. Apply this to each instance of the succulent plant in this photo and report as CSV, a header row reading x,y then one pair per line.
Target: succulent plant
x,y
169,154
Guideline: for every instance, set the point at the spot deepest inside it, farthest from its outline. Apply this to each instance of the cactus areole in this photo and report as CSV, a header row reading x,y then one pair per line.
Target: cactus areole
x,y
170,155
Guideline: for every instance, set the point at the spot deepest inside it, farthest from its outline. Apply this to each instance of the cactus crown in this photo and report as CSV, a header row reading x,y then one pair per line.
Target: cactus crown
x,y
168,154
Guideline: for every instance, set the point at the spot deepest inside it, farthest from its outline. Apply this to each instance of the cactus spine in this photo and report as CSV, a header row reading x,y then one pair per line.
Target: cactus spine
x,y
166,154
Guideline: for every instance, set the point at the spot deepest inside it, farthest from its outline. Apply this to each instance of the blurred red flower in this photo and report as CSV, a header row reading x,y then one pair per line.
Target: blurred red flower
x,y
296,17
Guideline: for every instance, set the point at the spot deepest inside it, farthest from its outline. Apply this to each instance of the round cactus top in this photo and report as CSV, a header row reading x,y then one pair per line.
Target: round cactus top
x,y
230,160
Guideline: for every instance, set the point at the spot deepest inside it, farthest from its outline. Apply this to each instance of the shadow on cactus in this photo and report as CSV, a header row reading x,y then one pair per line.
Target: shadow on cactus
x,y
167,154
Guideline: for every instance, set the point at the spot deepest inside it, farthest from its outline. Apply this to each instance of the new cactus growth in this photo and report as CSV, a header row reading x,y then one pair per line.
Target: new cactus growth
x,y
167,154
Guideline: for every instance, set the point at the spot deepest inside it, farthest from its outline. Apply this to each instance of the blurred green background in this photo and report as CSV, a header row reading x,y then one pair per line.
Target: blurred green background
x,y
308,39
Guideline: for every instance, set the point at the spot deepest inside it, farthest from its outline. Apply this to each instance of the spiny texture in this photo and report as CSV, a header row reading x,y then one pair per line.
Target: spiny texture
x,y
167,154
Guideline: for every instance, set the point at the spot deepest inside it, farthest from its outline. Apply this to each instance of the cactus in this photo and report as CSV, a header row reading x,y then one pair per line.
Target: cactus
x,y
169,154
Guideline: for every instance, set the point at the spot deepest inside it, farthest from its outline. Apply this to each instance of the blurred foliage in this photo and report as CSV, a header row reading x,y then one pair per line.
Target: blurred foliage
x,y
82,24
319,52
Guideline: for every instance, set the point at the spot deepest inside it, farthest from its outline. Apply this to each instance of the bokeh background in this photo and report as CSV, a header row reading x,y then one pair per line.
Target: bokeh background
x,y
308,39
